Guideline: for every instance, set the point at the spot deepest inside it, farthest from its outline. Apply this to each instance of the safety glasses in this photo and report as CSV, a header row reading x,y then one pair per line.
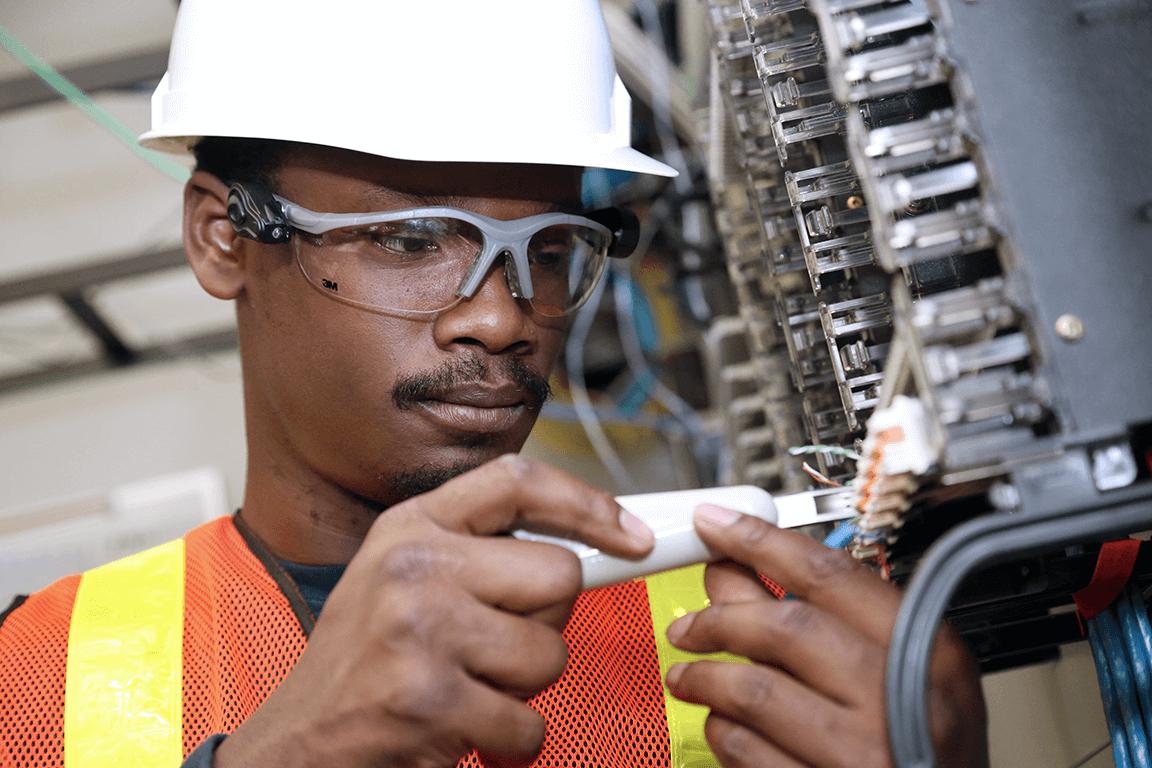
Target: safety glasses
x,y
419,261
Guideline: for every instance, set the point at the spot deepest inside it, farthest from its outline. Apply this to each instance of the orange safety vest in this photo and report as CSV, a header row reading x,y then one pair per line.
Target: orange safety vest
x,y
165,648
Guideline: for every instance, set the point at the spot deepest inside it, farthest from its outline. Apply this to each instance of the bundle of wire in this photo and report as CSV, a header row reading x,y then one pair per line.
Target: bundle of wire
x,y
1121,640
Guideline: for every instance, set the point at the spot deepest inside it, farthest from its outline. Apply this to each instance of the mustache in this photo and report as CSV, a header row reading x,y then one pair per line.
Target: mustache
x,y
424,385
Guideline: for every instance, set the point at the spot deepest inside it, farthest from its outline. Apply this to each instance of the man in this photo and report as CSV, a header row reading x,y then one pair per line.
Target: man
x,y
400,303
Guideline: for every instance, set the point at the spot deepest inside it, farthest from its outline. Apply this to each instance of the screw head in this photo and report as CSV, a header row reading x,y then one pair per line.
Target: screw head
x,y
855,201
1004,496
1144,213
1070,327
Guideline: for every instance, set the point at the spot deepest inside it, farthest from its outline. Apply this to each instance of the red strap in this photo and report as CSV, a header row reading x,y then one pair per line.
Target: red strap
x,y
1117,559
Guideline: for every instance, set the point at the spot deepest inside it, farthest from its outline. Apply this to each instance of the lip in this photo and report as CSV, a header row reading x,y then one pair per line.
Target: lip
x,y
476,408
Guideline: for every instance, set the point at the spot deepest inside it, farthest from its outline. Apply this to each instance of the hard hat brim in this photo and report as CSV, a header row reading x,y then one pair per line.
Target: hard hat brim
x,y
616,158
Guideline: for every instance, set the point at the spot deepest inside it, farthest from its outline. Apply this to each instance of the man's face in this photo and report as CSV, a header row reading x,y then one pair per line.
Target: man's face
x,y
384,406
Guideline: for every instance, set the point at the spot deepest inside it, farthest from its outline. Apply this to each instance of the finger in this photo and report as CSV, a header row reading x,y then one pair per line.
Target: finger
x,y
520,576
430,705
779,708
535,580
498,723
794,636
515,655
810,571
727,581
515,490
736,746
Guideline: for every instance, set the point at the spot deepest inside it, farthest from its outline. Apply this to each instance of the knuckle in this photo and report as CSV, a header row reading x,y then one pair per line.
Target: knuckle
x,y
410,615
412,561
594,508
827,566
755,693
422,692
708,624
752,530
796,618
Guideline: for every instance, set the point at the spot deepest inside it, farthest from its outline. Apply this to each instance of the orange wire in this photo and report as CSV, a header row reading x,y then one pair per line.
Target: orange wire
x,y
818,477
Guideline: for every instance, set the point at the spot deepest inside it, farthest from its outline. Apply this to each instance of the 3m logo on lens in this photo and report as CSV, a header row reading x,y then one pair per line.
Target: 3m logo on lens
x,y
330,285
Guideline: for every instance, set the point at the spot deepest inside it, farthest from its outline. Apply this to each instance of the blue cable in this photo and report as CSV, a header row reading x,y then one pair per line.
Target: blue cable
x,y
838,539
1108,698
844,533
1122,679
1141,612
1136,643
1144,630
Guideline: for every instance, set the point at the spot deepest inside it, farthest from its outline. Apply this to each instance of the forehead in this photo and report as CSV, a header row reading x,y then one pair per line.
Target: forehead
x,y
330,179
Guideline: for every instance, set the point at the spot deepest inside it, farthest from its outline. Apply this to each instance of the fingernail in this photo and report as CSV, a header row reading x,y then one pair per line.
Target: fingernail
x,y
636,527
714,515
679,628
674,673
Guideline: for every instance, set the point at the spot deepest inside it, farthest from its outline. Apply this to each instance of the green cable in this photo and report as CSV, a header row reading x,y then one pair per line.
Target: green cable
x,y
80,99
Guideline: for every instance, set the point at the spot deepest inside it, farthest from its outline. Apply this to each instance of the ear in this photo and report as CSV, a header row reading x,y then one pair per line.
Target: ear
x,y
213,248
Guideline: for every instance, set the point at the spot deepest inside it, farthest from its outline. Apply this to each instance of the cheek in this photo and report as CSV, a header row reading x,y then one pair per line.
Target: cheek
x,y
552,335
349,366
327,370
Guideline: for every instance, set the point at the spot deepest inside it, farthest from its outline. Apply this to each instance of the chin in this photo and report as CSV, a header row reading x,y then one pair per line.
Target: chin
x,y
413,482
430,468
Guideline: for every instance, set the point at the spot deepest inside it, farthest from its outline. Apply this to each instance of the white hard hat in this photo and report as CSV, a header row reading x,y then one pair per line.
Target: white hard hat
x,y
525,81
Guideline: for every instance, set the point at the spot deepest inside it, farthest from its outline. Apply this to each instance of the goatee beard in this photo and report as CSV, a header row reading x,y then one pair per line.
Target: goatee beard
x,y
414,482
423,385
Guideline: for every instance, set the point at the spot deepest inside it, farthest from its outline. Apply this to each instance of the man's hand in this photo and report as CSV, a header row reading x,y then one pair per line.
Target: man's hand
x,y
814,694
438,631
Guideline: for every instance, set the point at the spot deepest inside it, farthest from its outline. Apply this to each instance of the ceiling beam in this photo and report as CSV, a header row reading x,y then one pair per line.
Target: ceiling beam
x,y
76,279
144,67
205,344
70,286
115,350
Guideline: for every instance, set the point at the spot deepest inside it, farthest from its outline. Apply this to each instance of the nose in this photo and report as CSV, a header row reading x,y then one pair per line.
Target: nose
x,y
492,317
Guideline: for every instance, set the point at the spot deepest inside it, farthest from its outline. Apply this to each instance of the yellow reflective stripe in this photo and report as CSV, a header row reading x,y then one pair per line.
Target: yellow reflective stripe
x,y
122,704
671,595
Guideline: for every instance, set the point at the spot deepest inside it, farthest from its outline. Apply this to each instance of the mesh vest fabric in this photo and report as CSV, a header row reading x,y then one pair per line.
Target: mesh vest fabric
x,y
241,639
33,655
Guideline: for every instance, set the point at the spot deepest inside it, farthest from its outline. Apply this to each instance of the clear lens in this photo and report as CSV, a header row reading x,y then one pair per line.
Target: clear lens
x,y
411,265
419,264
565,260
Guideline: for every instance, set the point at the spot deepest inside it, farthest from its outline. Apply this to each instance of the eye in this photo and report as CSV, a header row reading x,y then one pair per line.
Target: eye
x,y
550,252
404,243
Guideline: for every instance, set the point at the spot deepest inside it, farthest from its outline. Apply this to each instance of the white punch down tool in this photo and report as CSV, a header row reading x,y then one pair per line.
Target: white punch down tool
x,y
669,515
